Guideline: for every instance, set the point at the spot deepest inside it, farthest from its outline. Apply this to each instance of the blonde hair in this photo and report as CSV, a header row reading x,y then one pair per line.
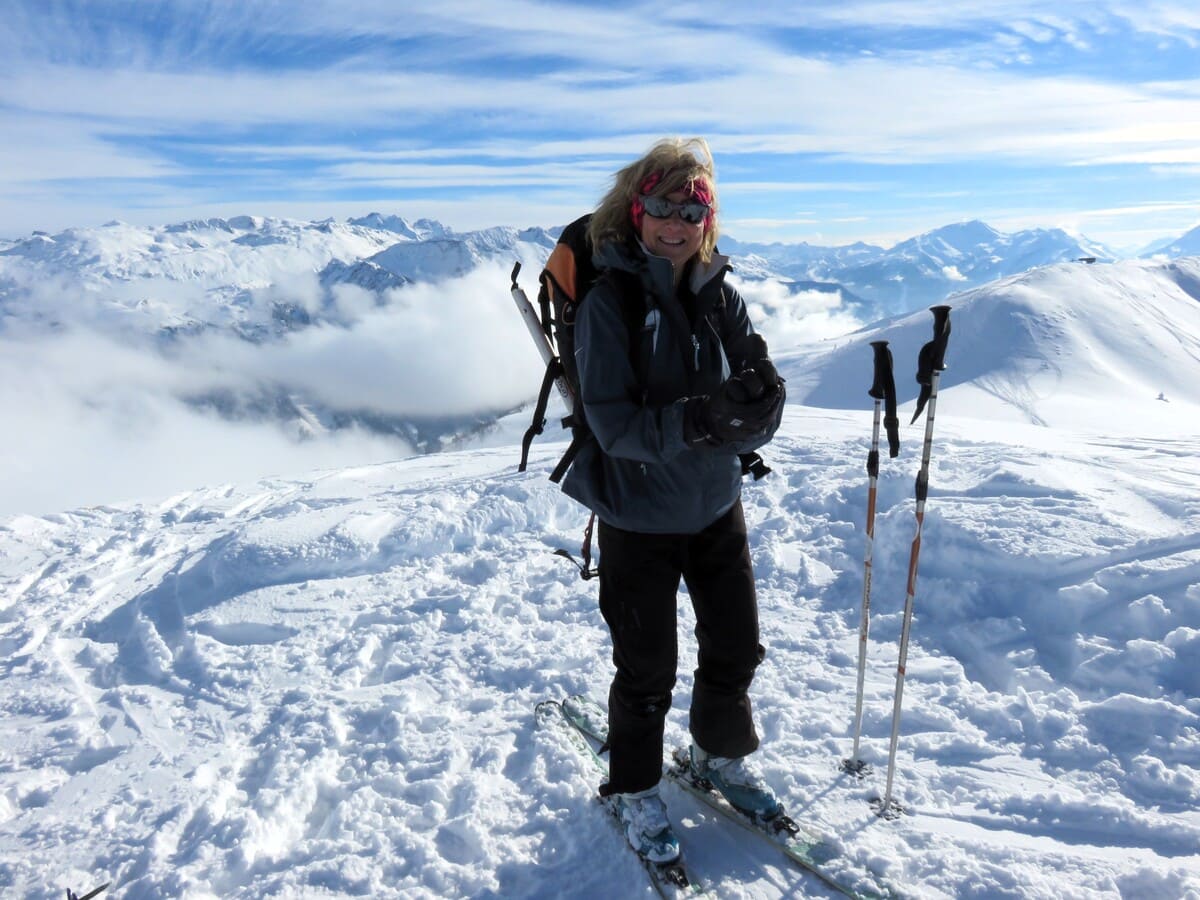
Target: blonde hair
x,y
683,164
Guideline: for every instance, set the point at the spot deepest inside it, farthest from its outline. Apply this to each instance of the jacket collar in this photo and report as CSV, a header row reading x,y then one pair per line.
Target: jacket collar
x,y
658,270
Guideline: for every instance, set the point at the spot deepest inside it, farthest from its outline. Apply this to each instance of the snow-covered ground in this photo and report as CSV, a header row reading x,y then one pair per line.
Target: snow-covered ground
x,y
324,687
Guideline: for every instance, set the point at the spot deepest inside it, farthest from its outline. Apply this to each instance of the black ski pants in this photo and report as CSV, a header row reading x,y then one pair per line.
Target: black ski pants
x,y
639,583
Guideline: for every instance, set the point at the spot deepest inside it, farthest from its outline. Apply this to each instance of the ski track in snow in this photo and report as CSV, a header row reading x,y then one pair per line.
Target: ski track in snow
x,y
325,687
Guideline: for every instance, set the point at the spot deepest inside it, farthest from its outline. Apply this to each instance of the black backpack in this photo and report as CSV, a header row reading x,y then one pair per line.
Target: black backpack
x,y
565,280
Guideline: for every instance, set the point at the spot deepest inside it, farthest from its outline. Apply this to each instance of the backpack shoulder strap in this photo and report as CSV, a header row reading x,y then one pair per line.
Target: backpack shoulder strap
x,y
632,300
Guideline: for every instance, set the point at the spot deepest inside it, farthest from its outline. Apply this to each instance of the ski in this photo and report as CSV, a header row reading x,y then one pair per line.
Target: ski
x,y
669,880
804,847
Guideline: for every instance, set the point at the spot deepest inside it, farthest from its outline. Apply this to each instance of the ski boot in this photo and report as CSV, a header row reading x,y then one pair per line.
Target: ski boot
x,y
647,828
738,783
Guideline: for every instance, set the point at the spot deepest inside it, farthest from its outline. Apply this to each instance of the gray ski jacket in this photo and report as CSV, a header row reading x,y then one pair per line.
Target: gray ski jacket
x,y
636,472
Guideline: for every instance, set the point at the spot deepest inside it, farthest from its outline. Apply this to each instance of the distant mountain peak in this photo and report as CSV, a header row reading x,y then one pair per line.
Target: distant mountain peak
x,y
959,235
1187,244
420,230
971,227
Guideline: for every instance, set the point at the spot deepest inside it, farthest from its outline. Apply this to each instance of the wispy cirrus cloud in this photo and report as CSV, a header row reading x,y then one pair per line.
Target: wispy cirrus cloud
x,y
536,103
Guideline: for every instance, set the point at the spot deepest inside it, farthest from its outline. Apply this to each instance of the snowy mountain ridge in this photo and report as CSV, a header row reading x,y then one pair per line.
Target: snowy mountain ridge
x,y
1060,345
247,251
1186,245
454,256
420,230
929,267
228,253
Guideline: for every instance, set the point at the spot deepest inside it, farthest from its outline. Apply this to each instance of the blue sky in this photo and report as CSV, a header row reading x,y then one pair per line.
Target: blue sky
x,y
830,121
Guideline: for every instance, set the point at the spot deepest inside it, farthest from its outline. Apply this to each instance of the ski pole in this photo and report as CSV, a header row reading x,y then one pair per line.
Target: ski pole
x,y
929,368
883,388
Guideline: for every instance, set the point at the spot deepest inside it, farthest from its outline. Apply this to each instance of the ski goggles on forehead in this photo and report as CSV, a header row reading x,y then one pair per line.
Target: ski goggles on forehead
x,y
691,211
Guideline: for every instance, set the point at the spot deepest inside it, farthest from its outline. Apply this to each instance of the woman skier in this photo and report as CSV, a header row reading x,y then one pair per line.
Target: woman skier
x,y
671,406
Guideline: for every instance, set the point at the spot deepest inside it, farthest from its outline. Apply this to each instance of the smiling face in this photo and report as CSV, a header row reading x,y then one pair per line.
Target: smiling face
x,y
673,238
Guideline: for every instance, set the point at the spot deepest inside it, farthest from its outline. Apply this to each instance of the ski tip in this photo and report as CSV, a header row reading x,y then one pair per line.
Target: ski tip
x,y
546,710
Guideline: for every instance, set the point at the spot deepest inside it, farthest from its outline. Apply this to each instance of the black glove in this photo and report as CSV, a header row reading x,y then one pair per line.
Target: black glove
x,y
764,393
748,351
742,408
758,388
751,353
768,374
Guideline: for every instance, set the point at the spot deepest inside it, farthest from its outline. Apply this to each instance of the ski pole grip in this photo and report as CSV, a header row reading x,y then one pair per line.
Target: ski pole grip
x,y
941,336
516,270
883,368
932,358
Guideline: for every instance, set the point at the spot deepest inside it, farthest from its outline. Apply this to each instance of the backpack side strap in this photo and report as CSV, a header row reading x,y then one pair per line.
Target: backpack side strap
x,y
554,369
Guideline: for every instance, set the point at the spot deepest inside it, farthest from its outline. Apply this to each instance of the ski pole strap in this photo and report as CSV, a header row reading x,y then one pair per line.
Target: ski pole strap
x,y
752,464
554,369
892,425
884,388
932,357
586,570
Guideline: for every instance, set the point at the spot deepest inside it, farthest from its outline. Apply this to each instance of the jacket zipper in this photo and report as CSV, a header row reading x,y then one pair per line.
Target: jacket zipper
x,y
696,352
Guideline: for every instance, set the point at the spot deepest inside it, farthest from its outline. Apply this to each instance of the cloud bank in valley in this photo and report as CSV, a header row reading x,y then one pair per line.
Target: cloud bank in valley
x,y
787,317
102,412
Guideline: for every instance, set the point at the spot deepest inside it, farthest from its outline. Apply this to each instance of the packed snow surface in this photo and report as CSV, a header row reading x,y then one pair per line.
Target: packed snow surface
x,y
324,687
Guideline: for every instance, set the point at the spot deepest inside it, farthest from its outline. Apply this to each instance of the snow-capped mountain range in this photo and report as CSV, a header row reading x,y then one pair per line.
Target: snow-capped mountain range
x,y
922,269
382,251
256,277
384,329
